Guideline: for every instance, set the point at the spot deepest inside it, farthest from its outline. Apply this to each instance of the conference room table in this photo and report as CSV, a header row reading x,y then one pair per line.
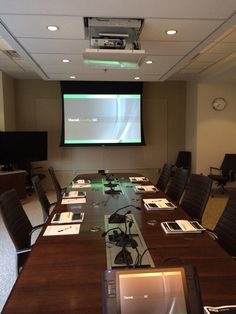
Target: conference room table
x,y
63,274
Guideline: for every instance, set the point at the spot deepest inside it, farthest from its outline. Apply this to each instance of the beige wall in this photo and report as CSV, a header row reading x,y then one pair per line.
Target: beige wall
x,y
7,103
210,133
38,107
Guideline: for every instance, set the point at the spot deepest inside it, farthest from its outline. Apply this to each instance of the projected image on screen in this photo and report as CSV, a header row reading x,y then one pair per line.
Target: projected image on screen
x,y
100,118
149,293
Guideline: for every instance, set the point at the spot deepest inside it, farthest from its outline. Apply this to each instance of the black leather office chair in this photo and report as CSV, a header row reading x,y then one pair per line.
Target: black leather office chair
x,y
177,184
196,195
164,177
59,190
18,225
42,197
225,173
225,229
31,172
184,160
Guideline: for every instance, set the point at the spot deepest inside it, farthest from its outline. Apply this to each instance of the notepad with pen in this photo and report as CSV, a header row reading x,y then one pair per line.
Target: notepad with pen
x,y
58,230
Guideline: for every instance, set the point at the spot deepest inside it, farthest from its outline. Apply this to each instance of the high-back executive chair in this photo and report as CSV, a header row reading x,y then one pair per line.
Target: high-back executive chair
x,y
225,229
196,196
177,184
164,177
184,160
225,173
31,172
17,224
42,197
59,190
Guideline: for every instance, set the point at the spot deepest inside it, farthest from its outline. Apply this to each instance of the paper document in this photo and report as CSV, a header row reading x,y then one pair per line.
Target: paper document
x,y
76,200
62,230
81,186
145,189
67,217
138,179
158,203
181,226
74,194
226,309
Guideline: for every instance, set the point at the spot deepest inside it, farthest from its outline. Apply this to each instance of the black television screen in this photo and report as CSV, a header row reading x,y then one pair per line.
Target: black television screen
x,y
22,146
102,116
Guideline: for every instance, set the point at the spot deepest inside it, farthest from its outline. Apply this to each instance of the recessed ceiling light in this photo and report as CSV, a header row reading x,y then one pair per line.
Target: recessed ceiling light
x,y
137,78
65,60
72,77
171,32
149,62
52,28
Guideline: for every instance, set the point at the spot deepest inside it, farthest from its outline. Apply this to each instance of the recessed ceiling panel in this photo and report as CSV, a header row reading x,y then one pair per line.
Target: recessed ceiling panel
x,y
69,46
187,30
132,8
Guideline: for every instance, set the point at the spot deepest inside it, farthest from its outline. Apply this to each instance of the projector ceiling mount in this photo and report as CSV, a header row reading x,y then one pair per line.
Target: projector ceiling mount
x,y
113,42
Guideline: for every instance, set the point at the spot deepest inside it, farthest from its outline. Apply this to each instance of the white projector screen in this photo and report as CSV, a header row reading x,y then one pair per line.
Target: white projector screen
x,y
101,119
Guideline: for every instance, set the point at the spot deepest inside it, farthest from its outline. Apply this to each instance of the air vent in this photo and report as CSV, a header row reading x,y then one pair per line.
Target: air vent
x,y
12,54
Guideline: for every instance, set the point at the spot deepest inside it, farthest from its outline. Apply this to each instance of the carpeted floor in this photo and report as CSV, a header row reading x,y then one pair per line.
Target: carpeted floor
x,y
32,207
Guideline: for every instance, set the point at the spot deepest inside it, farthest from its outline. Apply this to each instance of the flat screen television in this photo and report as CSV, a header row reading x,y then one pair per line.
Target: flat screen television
x,y
22,146
107,114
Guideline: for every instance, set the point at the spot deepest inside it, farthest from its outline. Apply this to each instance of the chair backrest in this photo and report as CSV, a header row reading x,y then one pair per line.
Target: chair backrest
x,y
15,219
196,195
225,228
164,177
184,160
229,163
177,184
56,183
41,194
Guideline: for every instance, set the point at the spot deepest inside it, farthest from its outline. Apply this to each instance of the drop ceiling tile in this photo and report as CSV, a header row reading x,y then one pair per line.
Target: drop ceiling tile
x,y
35,26
166,48
51,58
54,45
187,30
130,8
210,57
231,38
223,47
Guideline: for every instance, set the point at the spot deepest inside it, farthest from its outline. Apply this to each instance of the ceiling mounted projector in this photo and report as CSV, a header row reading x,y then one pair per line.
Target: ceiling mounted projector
x,y
114,58
113,43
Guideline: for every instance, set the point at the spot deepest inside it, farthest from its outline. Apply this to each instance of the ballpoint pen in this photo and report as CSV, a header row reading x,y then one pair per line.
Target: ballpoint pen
x,y
64,229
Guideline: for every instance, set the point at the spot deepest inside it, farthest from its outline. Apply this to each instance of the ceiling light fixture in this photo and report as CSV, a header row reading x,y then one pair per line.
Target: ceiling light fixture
x,y
72,77
52,28
65,60
149,62
137,78
171,32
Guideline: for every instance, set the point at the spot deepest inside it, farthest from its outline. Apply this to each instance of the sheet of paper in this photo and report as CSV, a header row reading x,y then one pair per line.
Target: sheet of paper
x,y
81,186
78,200
62,230
138,179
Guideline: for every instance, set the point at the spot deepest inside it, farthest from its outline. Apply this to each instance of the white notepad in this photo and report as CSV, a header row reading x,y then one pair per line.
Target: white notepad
x,y
138,179
57,230
77,200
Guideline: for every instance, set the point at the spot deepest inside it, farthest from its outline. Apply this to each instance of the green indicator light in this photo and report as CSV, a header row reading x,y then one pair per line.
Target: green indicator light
x,y
120,64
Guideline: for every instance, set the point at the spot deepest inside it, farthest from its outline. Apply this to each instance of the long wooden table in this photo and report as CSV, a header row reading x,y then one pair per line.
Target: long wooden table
x,y
63,273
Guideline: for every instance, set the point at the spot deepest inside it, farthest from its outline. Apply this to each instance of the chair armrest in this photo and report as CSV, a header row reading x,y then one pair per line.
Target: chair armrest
x,y
35,228
25,250
216,169
211,233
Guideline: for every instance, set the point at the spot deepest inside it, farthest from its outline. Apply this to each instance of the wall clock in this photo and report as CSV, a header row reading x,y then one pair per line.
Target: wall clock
x,y
219,103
